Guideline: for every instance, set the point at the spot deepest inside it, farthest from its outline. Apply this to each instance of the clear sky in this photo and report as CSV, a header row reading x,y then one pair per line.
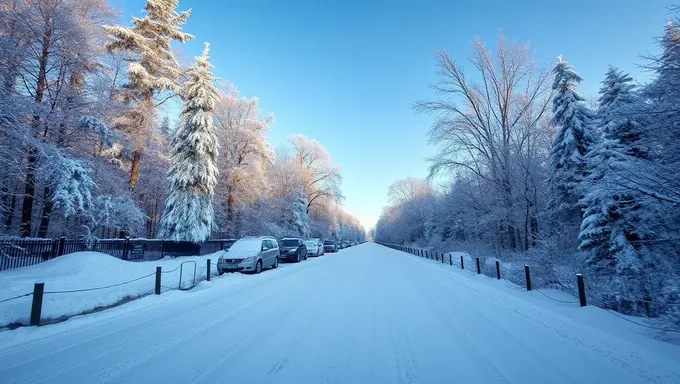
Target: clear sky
x,y
346,72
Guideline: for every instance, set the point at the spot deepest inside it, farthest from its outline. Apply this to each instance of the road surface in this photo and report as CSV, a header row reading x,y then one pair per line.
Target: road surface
x,y
367,314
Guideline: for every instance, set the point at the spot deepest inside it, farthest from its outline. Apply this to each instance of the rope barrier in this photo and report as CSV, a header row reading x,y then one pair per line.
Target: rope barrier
x,y
553,299
178,267
640,324
16,297
99,288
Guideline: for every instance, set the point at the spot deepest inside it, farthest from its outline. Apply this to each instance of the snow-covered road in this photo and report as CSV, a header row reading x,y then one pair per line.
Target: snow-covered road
x,y
367,314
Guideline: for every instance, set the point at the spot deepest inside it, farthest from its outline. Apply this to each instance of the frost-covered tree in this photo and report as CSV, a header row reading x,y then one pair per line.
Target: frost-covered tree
x,y
192,175
611,219
299,221
570,145
152,68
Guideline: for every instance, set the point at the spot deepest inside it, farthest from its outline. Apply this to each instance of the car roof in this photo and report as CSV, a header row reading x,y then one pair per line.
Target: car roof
x,y
291,238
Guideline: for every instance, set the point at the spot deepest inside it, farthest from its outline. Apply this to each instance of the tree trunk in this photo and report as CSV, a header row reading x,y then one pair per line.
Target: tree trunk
x,y
29,185
46,213
9,219
29,192
134,171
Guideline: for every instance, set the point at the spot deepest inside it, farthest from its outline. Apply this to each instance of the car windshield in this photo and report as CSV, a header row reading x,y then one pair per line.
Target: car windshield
x,y
247,245
327,243
290,243
310,243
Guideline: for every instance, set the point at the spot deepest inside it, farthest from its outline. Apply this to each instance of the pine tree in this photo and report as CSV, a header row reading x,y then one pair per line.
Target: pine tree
x,y
574,136
299,219
193,171
611,221
152,67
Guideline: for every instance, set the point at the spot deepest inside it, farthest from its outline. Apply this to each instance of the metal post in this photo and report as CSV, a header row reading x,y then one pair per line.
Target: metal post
x,y
528,277
462,265
498,269
450,259
126,248
207,269
479,270
158,280
36,307
62,244
581,290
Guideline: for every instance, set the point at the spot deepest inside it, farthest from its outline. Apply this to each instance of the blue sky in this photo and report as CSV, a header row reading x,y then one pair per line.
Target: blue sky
x,y
347,72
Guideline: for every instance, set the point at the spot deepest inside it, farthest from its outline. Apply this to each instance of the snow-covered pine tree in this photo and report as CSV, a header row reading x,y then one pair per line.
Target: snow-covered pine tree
x,y
611,219
152,67
574,136
299,220
193,171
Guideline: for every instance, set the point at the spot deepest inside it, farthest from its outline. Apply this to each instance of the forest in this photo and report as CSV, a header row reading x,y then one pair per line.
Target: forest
x,y
541,175
89,149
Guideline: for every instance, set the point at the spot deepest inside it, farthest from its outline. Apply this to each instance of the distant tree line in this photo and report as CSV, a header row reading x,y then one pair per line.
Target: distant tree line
x,y
85,150
539,174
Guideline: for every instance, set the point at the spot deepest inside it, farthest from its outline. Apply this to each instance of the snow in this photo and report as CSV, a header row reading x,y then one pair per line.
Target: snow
x,y
247,245
83,270
368,314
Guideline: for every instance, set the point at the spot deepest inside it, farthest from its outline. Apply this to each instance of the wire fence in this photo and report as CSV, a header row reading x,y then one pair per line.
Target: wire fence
x,y
195,276
522,279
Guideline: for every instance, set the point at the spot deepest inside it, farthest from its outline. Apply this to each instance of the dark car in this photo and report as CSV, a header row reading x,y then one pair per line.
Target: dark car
x,y
293,249
330,246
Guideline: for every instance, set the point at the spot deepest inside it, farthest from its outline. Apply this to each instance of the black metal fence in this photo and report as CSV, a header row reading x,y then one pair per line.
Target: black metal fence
x,y
16,253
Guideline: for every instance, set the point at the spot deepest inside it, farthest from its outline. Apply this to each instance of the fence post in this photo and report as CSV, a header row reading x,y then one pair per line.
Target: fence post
x,y
462,265
158,280
126,248
207,269
498,269
528,277
36,307
450,259
442,256
62,244
479,270
581,289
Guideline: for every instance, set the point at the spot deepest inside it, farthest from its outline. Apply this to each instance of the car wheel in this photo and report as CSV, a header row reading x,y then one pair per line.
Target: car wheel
x,y
258,267
220,272
305,258
276,263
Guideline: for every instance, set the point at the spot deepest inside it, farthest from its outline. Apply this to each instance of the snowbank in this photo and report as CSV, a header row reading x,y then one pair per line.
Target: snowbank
x,y
85,270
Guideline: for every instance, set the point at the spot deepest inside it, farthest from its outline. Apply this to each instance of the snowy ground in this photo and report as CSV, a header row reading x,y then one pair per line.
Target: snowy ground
x,y
86,270
367,314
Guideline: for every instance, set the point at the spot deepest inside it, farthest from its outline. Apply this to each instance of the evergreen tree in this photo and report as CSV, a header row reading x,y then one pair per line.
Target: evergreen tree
x,y
611,219
164,127
152,67
574,136
299,221
193,171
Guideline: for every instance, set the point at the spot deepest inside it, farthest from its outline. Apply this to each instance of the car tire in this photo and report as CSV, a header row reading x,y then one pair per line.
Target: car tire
x,y
276,263
220,272
258,267
305,258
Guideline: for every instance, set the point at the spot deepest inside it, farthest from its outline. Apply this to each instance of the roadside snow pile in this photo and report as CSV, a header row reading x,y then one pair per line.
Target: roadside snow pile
x,y
87,270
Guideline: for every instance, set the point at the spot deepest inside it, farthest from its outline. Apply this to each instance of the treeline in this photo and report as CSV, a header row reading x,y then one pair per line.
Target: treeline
x,y
85,150
541,174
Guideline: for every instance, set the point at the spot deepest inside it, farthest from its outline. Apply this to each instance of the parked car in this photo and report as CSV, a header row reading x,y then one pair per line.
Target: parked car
x,y
250,254
293,249
330,246
314,247
345,244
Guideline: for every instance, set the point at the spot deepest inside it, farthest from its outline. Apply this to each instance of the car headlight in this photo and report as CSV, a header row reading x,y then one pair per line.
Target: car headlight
x,y
249,259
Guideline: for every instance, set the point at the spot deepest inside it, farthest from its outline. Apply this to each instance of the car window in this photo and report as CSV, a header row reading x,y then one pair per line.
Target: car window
x,y
271,244
265,246
311,243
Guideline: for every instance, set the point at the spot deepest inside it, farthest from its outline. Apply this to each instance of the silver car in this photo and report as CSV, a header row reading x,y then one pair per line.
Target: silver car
x,y
314,247
250,255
